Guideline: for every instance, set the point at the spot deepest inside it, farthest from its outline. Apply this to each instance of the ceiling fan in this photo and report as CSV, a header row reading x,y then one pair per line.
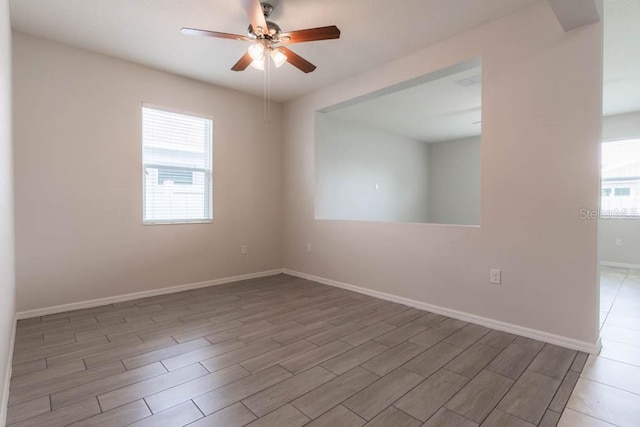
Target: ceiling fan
x,y
268,38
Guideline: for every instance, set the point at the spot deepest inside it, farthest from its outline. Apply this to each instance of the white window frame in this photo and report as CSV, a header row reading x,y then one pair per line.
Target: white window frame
x,y
208,172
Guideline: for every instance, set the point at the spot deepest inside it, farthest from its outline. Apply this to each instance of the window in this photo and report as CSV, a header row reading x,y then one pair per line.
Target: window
x,y
621,179
176,163
171,177
622,191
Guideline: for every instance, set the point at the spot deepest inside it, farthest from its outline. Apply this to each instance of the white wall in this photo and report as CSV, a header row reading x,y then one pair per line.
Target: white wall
x,y
626,229
623,126
7,277
353,158
417,182
454,182
79,232
534,76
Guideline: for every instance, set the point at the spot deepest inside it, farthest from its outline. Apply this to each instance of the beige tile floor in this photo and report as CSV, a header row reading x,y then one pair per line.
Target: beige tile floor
x,y
608,390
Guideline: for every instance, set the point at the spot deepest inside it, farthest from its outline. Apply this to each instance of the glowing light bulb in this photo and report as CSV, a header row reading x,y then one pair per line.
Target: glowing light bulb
x,y
258,64
278,57
256,51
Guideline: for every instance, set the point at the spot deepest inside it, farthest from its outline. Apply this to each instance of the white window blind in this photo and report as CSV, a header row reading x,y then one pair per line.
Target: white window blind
x,y
176,163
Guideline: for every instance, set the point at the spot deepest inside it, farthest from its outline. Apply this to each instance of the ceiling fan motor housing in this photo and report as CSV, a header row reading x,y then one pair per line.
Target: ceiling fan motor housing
x,y
273,33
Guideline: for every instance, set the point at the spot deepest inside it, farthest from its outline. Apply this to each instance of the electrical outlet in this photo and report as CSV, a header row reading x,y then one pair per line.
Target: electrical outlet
x,y
619,242
243,249
309,247
495,276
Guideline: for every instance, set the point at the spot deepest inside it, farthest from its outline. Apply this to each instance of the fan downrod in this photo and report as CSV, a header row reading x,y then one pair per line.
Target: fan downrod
x,y
267,9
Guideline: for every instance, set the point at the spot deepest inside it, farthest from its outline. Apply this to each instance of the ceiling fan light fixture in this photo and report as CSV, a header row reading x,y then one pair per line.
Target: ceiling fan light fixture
x,y
258,64
278,57
256,52
266,36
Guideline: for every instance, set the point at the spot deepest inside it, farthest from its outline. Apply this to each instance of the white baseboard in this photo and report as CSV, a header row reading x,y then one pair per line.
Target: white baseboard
x,y
619,264
4,404
491,323
137,295
479,320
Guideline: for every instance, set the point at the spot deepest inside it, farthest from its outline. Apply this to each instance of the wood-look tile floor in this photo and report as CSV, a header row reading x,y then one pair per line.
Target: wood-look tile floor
x,y
280,351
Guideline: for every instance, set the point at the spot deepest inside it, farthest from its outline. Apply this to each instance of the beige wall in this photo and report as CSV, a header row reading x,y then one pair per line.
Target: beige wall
x,y
615,128
541,130
7,278
79,232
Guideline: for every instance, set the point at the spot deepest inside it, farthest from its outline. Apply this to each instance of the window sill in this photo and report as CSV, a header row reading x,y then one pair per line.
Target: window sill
x,y
208,221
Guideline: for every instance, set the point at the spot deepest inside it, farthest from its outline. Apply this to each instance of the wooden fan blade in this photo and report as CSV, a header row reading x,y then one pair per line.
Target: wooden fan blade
x,y
242,63
253,9
311,34
196,32
298,61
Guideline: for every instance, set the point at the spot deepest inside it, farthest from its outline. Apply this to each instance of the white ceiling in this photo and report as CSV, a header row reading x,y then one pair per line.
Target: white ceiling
x,y
621,56
412,112
147,31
